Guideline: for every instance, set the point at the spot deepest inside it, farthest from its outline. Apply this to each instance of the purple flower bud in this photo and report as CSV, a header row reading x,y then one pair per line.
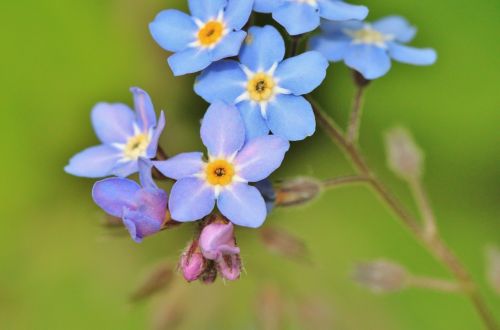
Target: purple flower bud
x,y
192,262
217,239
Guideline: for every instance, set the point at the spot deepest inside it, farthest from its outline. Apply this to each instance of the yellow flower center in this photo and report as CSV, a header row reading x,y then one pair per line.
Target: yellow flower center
x,y
219,172
369,36
136,146
211,33
261,87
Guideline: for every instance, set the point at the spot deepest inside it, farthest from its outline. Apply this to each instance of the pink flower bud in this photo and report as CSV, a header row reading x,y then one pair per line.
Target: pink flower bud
x,y
192,262
229,266
217,239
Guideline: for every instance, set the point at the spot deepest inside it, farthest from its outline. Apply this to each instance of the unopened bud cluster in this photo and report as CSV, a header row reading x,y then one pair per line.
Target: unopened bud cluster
x,y
381,276
213,252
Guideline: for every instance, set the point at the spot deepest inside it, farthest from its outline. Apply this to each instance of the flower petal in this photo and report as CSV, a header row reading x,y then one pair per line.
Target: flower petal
x,y
333,49
260,157
266,6
229,46
222,130
263,47
243,205
410,55
397,26
206,9
189,61
336,10
146,117
94,162
173,30
255,124
291,117
113,123
153,144
139,225
217,239
223,80
146,173
237,13
371,61
297,17
181,166
303,73
124,168
115,194
152,202
191,199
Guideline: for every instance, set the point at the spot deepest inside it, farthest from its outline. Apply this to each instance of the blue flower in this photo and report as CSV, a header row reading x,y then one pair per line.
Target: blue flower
x,y
142,209
302,16
224,177
213,32
125,137
368,48
266,89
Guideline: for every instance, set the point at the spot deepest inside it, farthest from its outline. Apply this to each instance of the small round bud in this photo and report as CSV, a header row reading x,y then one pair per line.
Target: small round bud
x,y
297,191
192,263
404,157
381,276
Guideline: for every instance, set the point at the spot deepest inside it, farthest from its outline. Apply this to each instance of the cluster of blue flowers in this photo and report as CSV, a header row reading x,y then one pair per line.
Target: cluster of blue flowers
x,y
257,106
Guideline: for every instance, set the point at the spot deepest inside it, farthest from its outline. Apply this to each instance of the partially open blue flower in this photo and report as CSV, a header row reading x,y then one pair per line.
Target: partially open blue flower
x,y
302,16
368,48
213,32
142,209
125,137
267,89
224,177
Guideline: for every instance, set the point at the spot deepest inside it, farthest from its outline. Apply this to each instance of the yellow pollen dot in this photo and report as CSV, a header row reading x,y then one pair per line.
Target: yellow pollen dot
x,y
219,172
136,146
261,87
211,33
369,36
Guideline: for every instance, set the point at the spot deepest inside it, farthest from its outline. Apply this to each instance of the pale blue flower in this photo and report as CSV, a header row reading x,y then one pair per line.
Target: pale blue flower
x,y
224,177
368,48
126,136
302,16
267,89
213,32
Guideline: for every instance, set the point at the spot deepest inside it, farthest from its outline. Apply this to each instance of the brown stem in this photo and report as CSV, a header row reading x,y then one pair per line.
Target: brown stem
x,y
435,245
355,120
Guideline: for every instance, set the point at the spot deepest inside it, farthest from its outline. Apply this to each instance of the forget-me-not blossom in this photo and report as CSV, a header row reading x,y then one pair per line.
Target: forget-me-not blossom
x,y
142,209
224,178
267,89
302,16
126,136
368,48
213,32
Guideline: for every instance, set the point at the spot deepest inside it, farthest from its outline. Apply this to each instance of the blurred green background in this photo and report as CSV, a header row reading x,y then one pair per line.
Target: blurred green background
x,y
60,268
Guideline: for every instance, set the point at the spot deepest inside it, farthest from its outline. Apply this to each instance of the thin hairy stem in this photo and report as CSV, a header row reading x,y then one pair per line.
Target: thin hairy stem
x,y
435,245
434,284
344,181
356,114
294,45
420,195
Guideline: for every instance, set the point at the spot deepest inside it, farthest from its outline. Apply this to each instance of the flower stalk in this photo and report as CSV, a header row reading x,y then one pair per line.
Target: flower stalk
x,y
435,245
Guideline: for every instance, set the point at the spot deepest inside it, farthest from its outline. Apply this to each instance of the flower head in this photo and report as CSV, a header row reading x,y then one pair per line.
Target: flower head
x,y
213,32
217,243
125,138
224,177
142,209
302,16
368,48
267,89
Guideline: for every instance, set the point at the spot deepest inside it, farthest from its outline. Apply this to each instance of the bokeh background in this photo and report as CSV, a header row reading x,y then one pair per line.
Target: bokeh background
x,y
60,268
